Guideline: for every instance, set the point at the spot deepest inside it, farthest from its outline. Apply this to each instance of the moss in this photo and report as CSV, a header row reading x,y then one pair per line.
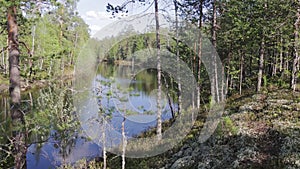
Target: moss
x,y
83,163
245,137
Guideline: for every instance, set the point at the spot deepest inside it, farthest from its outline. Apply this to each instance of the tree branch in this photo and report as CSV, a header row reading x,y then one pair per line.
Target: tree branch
x,y
28,50
3,49
2,31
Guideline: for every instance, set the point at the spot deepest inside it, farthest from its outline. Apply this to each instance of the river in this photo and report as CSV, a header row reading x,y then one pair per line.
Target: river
x,y
57,133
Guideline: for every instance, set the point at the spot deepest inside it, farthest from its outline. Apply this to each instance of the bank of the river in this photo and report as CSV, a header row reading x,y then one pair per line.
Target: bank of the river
x,y
27,85
256,131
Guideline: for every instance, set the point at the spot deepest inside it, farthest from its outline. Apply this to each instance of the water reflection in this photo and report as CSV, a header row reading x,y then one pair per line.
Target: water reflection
x,y
55,134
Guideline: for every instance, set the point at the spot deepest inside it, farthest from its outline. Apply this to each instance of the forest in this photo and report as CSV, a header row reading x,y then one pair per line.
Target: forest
x,y
183,84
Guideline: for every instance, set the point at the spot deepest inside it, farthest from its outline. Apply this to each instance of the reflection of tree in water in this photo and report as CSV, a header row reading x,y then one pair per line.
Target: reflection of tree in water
x,y
53,120
144,81
11,130
6,158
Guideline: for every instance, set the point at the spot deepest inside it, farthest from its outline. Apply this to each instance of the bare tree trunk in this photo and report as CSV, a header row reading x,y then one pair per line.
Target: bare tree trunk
x,y
124,142
241,72
33,39
193,71
228,71
7,59
275,65
281,54
178,59
296,50
261,64
61,22
104,144
199,56
214,89
32,52
3,62
169,97
14,90
42,63
159,120
14,54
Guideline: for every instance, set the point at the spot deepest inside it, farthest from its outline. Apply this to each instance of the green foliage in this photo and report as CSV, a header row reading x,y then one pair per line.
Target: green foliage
x,y
226,127
265,81
58,35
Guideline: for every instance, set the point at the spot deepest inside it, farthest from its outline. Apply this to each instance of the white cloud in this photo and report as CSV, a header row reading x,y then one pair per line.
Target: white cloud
x,y
91,14
95,27
104,15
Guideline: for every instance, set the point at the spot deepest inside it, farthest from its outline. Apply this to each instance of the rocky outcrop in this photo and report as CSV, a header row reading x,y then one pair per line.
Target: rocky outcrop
x,y
267,136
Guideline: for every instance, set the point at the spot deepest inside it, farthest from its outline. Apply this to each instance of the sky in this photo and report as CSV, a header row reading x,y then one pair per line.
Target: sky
x,y
94,11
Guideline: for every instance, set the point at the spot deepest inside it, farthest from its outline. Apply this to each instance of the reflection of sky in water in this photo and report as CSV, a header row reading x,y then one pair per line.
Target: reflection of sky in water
x,y
138,106
141,106
49,155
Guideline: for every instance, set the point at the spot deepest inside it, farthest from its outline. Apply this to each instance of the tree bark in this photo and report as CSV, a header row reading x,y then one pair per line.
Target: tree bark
x,y
241,72
14,54
261,64
104,144
199,55
17,115
214,88
281,53
296,50
124,143
178,59
159,120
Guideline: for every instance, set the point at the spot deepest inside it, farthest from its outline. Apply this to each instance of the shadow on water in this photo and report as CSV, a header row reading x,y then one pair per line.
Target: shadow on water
x,y
55,135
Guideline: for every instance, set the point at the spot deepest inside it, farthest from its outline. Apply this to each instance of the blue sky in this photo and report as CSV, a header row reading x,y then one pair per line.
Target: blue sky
x,y
94,11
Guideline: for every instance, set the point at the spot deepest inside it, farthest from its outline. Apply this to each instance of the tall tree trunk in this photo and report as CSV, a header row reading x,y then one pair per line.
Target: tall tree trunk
x,y
124,143
104,144
241,72
61,23
14,54
178,59
296,50
214,89
7,59
159,120
228,71
3,60
261,64
275,64
14,90
281,53
32,52
75,47
199,55
194,71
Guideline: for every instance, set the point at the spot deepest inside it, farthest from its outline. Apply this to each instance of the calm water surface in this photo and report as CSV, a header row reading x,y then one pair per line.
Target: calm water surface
x,y
117,96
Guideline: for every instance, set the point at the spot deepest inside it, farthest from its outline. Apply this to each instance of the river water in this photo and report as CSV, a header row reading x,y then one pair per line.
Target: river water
x,y
56,130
